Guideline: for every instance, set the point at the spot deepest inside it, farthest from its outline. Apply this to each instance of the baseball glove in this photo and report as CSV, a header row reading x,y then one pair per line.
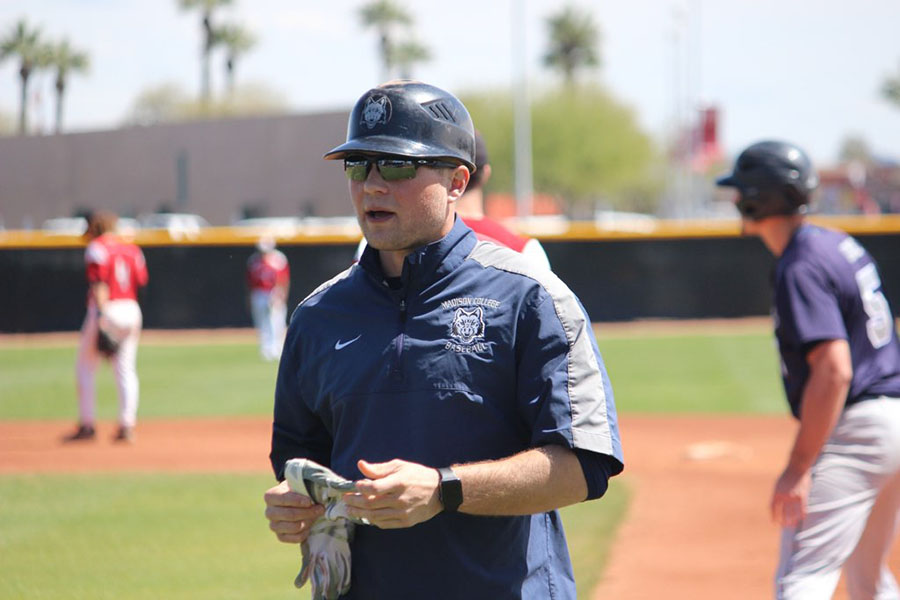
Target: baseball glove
x,y
106,343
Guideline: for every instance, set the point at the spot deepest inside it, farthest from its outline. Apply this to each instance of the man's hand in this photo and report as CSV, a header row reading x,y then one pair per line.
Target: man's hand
x,y
395,494
789,498
290,514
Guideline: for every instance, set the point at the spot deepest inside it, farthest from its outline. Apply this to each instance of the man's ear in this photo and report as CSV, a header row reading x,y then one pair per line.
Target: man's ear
x,y
458,182
485,174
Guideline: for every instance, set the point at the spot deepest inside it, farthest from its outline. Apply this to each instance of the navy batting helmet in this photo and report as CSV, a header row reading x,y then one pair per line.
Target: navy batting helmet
x,y
410,118
772,178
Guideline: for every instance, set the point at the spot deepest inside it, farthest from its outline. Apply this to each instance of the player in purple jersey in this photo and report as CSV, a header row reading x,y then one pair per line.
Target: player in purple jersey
x,y
838,498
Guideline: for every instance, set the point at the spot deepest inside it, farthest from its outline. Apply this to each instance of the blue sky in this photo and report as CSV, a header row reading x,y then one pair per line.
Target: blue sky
x,y
792,69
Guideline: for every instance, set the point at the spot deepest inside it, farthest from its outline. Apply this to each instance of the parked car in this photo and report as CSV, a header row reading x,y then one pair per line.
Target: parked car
x,y
127,226
274,226
65,226
177,224
331,225
78,225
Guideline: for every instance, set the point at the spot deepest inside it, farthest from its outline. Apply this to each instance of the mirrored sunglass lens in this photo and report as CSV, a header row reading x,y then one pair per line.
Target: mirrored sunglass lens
x,y
356,170
392,170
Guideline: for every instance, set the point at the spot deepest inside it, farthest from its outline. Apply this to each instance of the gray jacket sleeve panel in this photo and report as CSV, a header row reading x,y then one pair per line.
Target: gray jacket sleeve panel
x,y
594,425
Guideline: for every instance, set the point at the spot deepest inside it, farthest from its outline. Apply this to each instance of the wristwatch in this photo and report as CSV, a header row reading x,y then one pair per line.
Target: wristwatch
x,y
450,491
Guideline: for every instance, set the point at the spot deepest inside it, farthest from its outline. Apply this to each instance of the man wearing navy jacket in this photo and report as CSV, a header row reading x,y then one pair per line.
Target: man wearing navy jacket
x,y
460,387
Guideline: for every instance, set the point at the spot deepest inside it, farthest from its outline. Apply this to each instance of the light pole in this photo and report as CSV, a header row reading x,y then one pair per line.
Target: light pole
x,y
521,112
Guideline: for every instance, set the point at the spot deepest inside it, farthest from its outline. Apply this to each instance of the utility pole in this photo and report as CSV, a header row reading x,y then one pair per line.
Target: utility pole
x,y
521,112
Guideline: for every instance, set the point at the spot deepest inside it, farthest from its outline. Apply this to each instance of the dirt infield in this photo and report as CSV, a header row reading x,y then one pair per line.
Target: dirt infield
x,y
189,445
697,527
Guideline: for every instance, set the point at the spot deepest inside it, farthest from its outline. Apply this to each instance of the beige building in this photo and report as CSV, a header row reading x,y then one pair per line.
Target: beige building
x,y
223,170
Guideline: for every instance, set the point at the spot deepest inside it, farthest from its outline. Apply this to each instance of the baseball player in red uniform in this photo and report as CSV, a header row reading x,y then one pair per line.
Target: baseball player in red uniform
x,y
115,271
269,278
471,208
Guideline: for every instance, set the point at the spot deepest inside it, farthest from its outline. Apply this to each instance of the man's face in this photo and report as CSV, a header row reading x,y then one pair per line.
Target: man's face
x,y
399,216
748,225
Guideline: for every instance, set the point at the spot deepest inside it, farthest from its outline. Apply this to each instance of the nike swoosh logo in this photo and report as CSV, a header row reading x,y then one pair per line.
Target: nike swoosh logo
x,y
339,344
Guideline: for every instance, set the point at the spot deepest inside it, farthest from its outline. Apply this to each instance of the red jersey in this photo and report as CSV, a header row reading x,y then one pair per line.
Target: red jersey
x,y
267,270
118,264
491,231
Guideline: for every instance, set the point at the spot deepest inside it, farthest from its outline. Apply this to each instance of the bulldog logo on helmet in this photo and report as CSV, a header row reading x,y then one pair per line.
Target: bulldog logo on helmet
x,y
376,110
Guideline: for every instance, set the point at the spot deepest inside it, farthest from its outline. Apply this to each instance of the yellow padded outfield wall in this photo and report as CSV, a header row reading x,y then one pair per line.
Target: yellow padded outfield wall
x,y
541,228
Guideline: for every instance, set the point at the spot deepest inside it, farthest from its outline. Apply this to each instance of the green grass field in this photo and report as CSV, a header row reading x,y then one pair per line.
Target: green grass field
x,y
683,373
204,536
177,536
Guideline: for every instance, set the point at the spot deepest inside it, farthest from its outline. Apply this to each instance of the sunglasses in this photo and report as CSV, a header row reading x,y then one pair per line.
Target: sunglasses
x,y
357,168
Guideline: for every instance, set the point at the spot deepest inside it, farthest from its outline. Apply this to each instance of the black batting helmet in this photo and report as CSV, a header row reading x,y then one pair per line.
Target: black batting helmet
x,y
772,178
410,118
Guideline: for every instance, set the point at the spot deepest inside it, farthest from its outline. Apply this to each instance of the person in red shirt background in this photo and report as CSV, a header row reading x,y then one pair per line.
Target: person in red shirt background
x,y
471,208
115,270
269,278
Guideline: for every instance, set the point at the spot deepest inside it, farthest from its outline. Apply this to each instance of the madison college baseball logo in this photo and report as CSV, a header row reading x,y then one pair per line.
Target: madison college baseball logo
x,y
467,325
376,110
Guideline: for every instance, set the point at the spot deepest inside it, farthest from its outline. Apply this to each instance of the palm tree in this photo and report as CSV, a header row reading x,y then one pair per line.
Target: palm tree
x,y
237,41
384,15
406,54
573,42
890,89
209,38
25,43
65,59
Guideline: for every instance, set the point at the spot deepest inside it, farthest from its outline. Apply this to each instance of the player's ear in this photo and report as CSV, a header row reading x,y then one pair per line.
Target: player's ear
x,y
459,179
485,173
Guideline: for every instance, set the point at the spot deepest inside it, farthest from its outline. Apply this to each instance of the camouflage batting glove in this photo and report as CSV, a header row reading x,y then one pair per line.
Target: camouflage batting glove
x,y
326,552
321,484
326,559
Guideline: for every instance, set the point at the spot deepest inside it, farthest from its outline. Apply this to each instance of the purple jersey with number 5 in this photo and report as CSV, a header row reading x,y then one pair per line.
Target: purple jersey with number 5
x,y
827,287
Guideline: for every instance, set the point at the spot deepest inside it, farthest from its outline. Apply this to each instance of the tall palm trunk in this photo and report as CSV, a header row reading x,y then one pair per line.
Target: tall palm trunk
x,y
60,94
24,74
385,56
205,56
229,73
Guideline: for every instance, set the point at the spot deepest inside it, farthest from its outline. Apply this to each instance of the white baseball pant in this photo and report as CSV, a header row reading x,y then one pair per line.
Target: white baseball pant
x,y
125,319
270,319
853,511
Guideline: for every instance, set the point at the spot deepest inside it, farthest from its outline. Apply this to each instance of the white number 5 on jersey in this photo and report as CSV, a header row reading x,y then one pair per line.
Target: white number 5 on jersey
x,y
879,326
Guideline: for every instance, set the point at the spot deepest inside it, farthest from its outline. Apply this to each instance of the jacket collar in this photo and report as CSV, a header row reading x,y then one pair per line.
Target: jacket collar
x,y
431,262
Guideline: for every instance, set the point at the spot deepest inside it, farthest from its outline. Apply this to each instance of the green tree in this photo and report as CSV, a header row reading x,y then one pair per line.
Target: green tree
x,y
573,42
407,54
168,103
237,41
855,148
65,59
588,149
158,104
24,43
6,123
890,89
206,7
384,16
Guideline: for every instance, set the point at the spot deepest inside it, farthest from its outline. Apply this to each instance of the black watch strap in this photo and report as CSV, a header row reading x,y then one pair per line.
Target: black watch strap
x,y
450,492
